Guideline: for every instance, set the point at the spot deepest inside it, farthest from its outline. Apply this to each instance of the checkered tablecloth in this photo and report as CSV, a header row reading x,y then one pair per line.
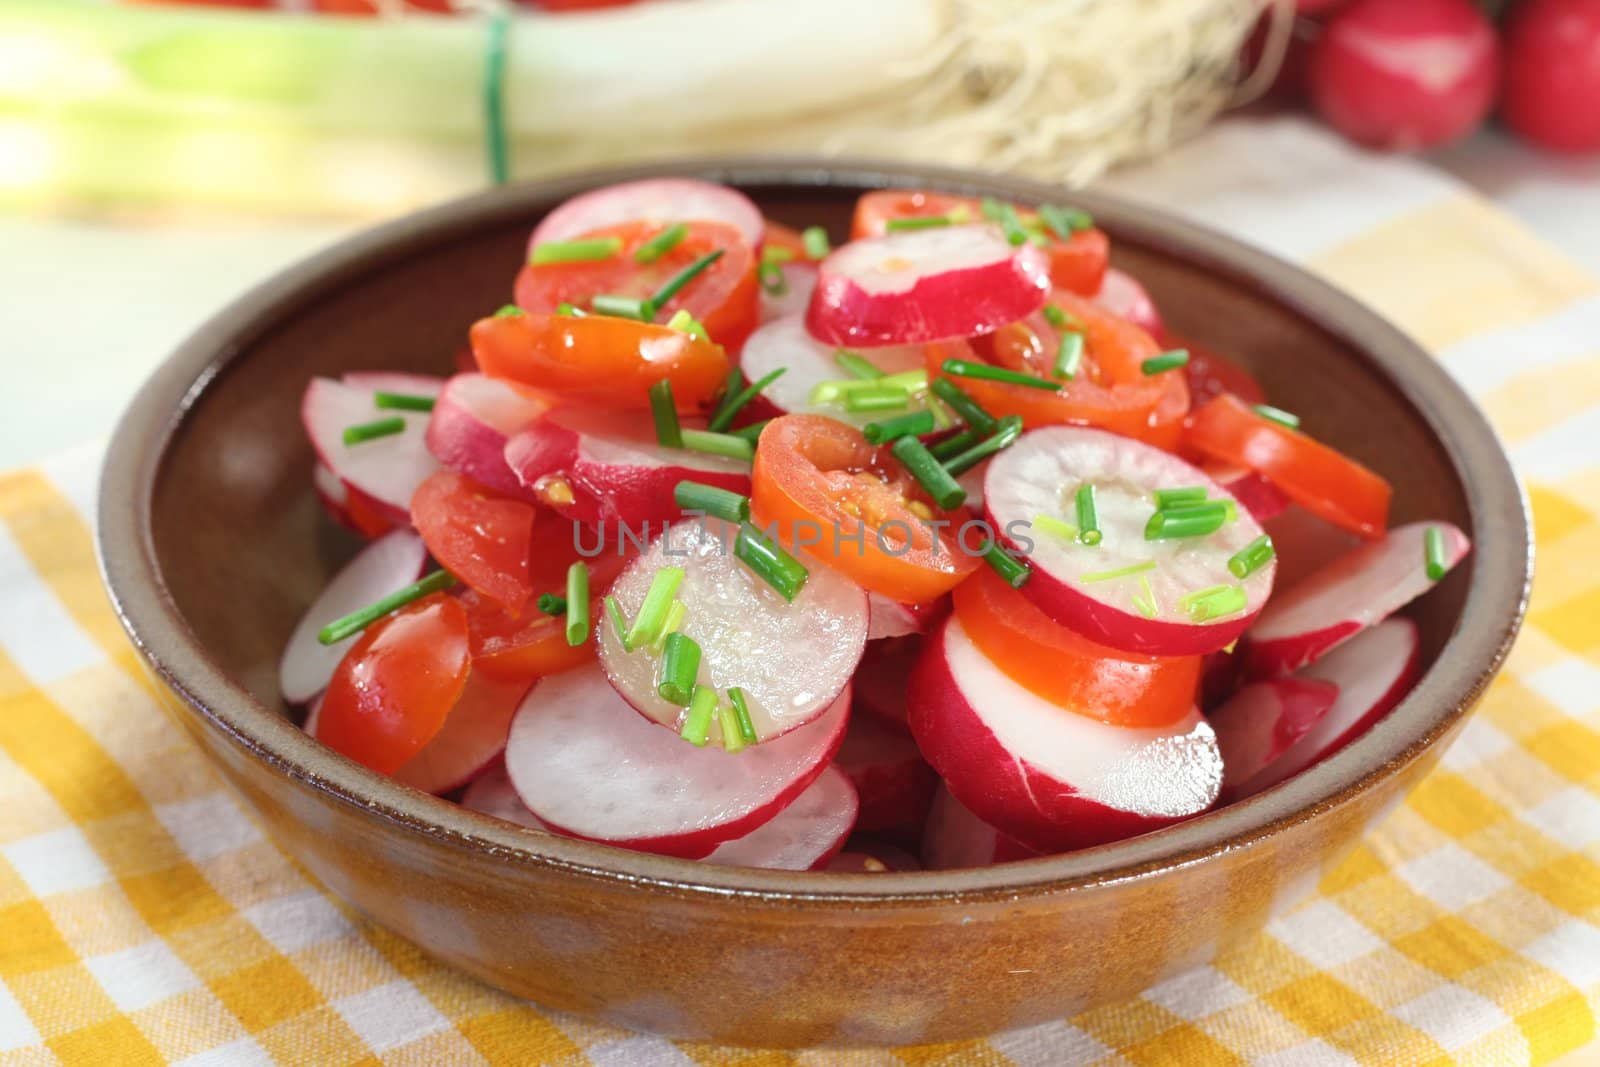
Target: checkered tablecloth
x,y
144,918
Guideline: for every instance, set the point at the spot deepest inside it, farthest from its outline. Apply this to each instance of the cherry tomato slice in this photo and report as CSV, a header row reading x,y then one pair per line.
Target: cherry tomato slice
x,y
1120,688
599,360
481,539
1211,374
1319,479
391,692
819,480
725,297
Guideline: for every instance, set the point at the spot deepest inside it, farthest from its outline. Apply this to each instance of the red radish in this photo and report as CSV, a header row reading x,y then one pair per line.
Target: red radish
x,y
872,857
651,200
492,794
1360,588
926,285
1263,500
955,838
1406,74
1372,671
587,764
1552,89
803,836
1122,294
1219,677
891,618
333,496
313,716
799,280
473,419
389,563
792,659
605,466
472,737
1047,775
394,381
893,780
808,363
352,509
1304,543
1040,475
1261,721
386,469
880,683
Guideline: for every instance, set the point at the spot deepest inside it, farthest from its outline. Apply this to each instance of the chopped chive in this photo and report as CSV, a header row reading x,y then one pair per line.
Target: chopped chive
x,y
664,410
683,321
371,431
571,311
1213,603
731,406
940,485
1179,498
653,609
955,444
587,250
341,628
942,418
1006,215
1056,317
1277,415
991,209
917,222
577,603
1010,428
680,662
741,708
771,563
402,401
730,390
1196,520
877,398
752,432
661,243
1055,527
815,240
722,503
1088,515
673,623
837,390
773,280
1433,553
623,307
1170,360
1012,570
1069,355
853,364
912,425
719,444
728,719
962,368
508,311
619,622
1145,602
697,724
1121,572
1251,557
910,380
776,254
971,412
552,604
674,285
1065,221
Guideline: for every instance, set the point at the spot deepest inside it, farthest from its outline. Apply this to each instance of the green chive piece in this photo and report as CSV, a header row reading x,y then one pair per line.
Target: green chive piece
x,y
1277,415
356,621
661,243
771,563
1249,559
577,603
683,321
751,433
878,398
619,622
1213,603
773,280
741,708
991,208
571,311
728,719
1185,497
1170,360
713,500
1197,520
917,222
664,410
1069,355
909,380
673,623
835,390
1056,317
1145,602
1121,572
719,444
587,250
1010,428
853,364
913,425
508,311
371,431
1008,567
680,662
940,485
697,724
815,240
971,412
402,401
733,404
552,604
1010,222
1433,553
776,254
1055,527
653,610
955,444
673,285
623,307
1088,515
942,417
962,368
1065,221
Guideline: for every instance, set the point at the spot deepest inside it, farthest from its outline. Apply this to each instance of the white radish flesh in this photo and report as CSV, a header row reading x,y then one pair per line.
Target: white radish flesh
x,y
890,776
799,279
893,618
803,836
808,363
1260,721
473,419
491,793
472,737
387,469
656,200
954,838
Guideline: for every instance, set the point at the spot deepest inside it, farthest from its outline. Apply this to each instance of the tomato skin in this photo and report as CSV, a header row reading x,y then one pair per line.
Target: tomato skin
x,y
1210,374
1319,479
394,688
1552,74
1119,688
481,539
1079,264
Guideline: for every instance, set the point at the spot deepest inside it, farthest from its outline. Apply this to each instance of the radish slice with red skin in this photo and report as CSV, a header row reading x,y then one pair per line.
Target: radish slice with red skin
x,y
473,736
799,280
1040,475
894,782
313,716
387,469
803,836
588,765
917,286
1305,543
1262,720
880,683
473,419
1263,500
664,200
1049,776
808,363
1372,671
954,838
603,467
491,793
1360,588
389,563
892,618
394,381
1122,294
792,659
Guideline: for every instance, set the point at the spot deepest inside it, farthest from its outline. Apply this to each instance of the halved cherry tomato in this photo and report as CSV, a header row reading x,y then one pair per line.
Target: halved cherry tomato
x,y
1211,374
788,238
1328,484
819,480
599,360
481,539
391,692
725,296
1110,389
1120,688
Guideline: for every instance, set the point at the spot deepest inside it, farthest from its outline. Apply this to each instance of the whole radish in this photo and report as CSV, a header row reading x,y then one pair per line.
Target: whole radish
x,y
1552,90
1405,74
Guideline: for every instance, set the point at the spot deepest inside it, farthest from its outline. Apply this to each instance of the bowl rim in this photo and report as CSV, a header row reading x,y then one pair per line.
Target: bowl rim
x,y
1496,599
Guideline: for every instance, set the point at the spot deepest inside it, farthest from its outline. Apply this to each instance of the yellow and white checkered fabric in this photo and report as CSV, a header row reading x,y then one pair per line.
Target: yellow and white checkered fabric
x,y
144,918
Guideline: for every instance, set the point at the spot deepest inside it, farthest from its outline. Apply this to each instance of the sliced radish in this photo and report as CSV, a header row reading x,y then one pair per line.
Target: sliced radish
x,y
893,618
792,659
880,683
807,363
873,857
955,838
799,279
1362,587
1261,721
394,381
1040,476
652,200
387,469
605,466
1049,776
313,716
389,563
1258,496
1122,294
894,782
474,417
917,286
492,794
587,764
803,836
1304,543
1219,677
1372,671
472,737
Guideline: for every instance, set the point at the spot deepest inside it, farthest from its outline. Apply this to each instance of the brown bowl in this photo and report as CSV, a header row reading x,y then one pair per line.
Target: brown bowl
x,y
212,545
